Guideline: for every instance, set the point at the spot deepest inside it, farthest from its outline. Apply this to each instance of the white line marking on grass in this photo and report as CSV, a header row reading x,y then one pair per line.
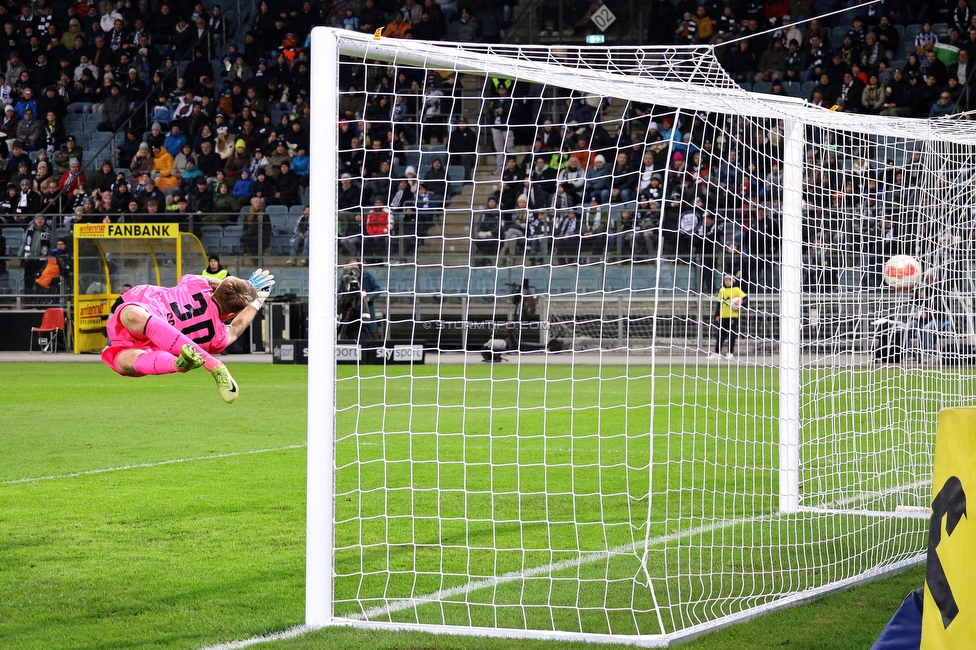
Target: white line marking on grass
x,y
160,463
554,567
290,633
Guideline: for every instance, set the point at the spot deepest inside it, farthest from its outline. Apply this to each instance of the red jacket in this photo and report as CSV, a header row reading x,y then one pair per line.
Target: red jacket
x,y
379,222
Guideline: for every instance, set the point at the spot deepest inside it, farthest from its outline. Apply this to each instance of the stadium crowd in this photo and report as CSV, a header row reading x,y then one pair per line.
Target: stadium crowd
x,y
211,122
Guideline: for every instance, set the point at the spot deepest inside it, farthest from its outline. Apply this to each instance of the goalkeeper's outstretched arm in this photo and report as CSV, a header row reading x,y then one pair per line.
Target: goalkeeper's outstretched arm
x,y
263,282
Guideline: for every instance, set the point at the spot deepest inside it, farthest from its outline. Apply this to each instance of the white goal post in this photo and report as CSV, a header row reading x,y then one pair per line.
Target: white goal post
x,y
615,467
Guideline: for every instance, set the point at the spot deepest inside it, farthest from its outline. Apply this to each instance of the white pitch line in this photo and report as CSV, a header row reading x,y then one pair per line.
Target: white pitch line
x,y
160,463
290,633
554,567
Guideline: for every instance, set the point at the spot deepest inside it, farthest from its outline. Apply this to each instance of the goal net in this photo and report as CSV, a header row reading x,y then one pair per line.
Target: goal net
x,y
617,360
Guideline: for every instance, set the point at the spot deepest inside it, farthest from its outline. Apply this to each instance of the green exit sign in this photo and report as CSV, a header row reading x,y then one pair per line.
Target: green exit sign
x,y
595,39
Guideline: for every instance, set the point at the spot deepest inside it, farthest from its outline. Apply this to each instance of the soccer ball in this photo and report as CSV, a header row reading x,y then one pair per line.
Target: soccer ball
x,y
736,303
902,272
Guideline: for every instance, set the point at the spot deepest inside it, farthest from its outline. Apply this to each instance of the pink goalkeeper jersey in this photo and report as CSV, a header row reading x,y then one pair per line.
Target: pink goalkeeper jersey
x,y
187,307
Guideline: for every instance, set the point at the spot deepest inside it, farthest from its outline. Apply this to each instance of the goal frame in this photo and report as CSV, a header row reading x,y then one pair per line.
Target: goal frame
x,y
322,369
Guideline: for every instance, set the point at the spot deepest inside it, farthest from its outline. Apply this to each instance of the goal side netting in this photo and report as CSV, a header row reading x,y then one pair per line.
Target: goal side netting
x,y
620,357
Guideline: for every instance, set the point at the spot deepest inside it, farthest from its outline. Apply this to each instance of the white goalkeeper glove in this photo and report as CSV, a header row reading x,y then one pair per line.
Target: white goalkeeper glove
x,y
263,282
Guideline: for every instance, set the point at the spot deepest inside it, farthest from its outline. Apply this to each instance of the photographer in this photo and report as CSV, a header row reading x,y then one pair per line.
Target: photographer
x,y
366,289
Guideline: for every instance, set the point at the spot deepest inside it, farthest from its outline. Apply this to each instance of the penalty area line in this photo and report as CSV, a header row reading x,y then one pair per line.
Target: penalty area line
x,y
172,461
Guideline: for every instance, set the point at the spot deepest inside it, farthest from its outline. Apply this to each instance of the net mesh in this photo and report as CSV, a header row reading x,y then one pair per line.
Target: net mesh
x,y
577,454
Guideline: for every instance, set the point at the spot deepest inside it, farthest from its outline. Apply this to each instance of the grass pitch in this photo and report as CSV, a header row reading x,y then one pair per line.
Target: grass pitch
x,y
201,539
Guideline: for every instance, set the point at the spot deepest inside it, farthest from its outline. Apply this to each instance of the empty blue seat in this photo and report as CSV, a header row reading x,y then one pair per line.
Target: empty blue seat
x,y
563,280
616,278
402,280
590,280
15,241
482,281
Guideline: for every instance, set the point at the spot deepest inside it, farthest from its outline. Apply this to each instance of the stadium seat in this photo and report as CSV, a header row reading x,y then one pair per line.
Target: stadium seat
x,y
15,241
564,280
455,280
685,279
808,87
401,280
482,281
617,278
279,218
762,87
230,240
211,243
837,35
745,85
430,281
280,244
538,277
289,281
291,219
590,279
793,89
15,280
52,323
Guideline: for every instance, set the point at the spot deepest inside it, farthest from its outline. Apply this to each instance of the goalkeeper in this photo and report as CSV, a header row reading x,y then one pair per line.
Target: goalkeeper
x,y
731,299
160,330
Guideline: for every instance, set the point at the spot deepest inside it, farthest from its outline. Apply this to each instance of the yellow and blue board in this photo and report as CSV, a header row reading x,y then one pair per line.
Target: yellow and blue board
x,y
949,610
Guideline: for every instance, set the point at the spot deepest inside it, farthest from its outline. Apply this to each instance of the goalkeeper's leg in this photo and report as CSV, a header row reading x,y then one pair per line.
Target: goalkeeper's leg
x,y
164,336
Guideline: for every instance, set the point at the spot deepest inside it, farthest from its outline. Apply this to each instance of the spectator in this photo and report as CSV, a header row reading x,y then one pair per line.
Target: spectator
x,y
943,107
150,193
464,30
286,187
73,181
280,155
926,95
462,147
503,138
115,110
397,28
888,37
69,150
538,236
624,180
873,96
256,236
224,206
598,181
214,269
571,179
141,163
200,198
242,187
208,161
299,240
262,186
162,168
487,235
925,40
30,131
379,229
541,185
37,244
301,166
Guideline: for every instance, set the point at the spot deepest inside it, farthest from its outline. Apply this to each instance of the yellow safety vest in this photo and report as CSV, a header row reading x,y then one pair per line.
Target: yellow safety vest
x,y
725,296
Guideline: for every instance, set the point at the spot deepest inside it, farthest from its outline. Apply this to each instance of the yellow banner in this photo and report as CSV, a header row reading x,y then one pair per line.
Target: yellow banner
x,y
949,611
127,230
91,313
